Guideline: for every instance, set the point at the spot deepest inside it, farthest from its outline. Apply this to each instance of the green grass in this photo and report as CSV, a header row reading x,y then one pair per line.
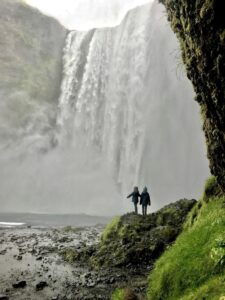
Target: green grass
x,y
69,255
211,189
194,267
110,229
118,294
124,294
70,229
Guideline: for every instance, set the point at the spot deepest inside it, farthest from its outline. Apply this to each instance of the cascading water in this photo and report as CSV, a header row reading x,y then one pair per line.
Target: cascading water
x,y
126,117
123,97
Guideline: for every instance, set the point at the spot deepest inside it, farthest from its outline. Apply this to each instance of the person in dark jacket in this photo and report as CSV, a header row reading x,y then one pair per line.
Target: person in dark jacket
x,y
145,201
135,195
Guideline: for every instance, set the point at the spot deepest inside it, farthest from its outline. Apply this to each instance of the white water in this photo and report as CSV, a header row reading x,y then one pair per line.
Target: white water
x,y
125,96
126,116
10,224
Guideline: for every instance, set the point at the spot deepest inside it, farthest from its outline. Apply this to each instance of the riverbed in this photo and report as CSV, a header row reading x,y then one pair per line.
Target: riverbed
x,y
32,267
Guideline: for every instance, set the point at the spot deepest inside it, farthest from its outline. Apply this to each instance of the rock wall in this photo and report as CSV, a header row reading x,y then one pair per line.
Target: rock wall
x,y
200,27
31,47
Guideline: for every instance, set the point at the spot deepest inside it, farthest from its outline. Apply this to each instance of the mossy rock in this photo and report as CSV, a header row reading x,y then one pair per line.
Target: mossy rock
x,y
136,240
124,294
200,28
212,189
74,255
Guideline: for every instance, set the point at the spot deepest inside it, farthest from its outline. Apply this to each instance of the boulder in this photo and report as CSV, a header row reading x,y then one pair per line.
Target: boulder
x,y
134,240
4,297
19,284
41,285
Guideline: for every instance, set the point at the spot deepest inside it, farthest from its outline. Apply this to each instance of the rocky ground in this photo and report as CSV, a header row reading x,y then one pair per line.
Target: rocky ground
x,y
138,241
87,262
32,266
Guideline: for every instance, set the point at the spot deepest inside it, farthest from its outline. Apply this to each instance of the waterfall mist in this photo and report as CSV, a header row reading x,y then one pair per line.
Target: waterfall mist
x,y
125,117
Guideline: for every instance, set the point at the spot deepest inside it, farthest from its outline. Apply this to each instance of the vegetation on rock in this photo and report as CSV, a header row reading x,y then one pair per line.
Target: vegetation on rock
x,y
136,240
194,267
124,294
118,294
31,49
200,28
82,255
212,189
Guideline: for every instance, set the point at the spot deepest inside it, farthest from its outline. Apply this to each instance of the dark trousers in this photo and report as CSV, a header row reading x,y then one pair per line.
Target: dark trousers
x,y
136,208
144,210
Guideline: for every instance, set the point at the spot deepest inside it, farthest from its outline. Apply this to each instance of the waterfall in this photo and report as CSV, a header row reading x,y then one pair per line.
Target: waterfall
x,y
125,117
125,96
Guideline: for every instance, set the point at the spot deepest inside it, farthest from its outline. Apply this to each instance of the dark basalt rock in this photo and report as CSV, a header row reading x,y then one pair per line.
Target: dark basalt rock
x,y
20,284
39,258
4,297
200,28
41,285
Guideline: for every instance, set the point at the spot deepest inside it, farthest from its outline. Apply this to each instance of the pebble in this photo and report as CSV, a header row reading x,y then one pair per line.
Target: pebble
x,y
39,258
19,284
4,297
41,285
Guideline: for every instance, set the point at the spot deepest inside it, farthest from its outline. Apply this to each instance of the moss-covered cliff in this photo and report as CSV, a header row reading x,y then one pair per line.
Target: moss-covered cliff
x,y
134,240
31,47
200,28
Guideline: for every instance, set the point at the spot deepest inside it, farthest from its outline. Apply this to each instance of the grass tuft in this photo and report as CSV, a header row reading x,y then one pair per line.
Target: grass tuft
x,y
110,229
194,268
118,294
211,189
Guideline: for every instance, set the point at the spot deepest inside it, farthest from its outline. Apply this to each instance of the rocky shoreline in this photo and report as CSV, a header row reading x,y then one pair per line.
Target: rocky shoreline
x,y
32,266
88,262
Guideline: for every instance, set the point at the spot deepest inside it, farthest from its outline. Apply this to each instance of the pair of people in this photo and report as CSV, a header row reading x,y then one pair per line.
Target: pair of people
x,y
145,199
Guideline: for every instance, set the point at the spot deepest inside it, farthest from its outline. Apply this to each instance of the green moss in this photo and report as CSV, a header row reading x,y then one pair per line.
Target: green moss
x,y
200,28
218,252
191,267
69,255
193,215
110,229
118,294
206,8
124,294
211,189
137,240
222,36
83,255
72,229
213,289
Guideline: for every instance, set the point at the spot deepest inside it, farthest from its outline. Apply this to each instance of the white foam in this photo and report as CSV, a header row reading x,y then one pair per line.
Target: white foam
x,y
10,224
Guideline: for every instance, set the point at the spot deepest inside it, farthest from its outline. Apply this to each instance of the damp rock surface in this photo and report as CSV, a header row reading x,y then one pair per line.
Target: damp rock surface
x,y
200,28
137,241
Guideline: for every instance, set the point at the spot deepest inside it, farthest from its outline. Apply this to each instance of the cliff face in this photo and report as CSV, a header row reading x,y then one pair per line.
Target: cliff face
x,y
30,63
200,27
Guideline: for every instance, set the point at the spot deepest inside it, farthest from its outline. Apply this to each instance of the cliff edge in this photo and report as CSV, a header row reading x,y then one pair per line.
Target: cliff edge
x,y
31,48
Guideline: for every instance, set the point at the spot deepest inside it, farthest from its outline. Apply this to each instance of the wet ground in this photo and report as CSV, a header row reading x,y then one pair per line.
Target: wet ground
x,y
31,266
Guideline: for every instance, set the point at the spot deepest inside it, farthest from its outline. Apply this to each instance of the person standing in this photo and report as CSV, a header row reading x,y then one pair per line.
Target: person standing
x,y
145,201
135,195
